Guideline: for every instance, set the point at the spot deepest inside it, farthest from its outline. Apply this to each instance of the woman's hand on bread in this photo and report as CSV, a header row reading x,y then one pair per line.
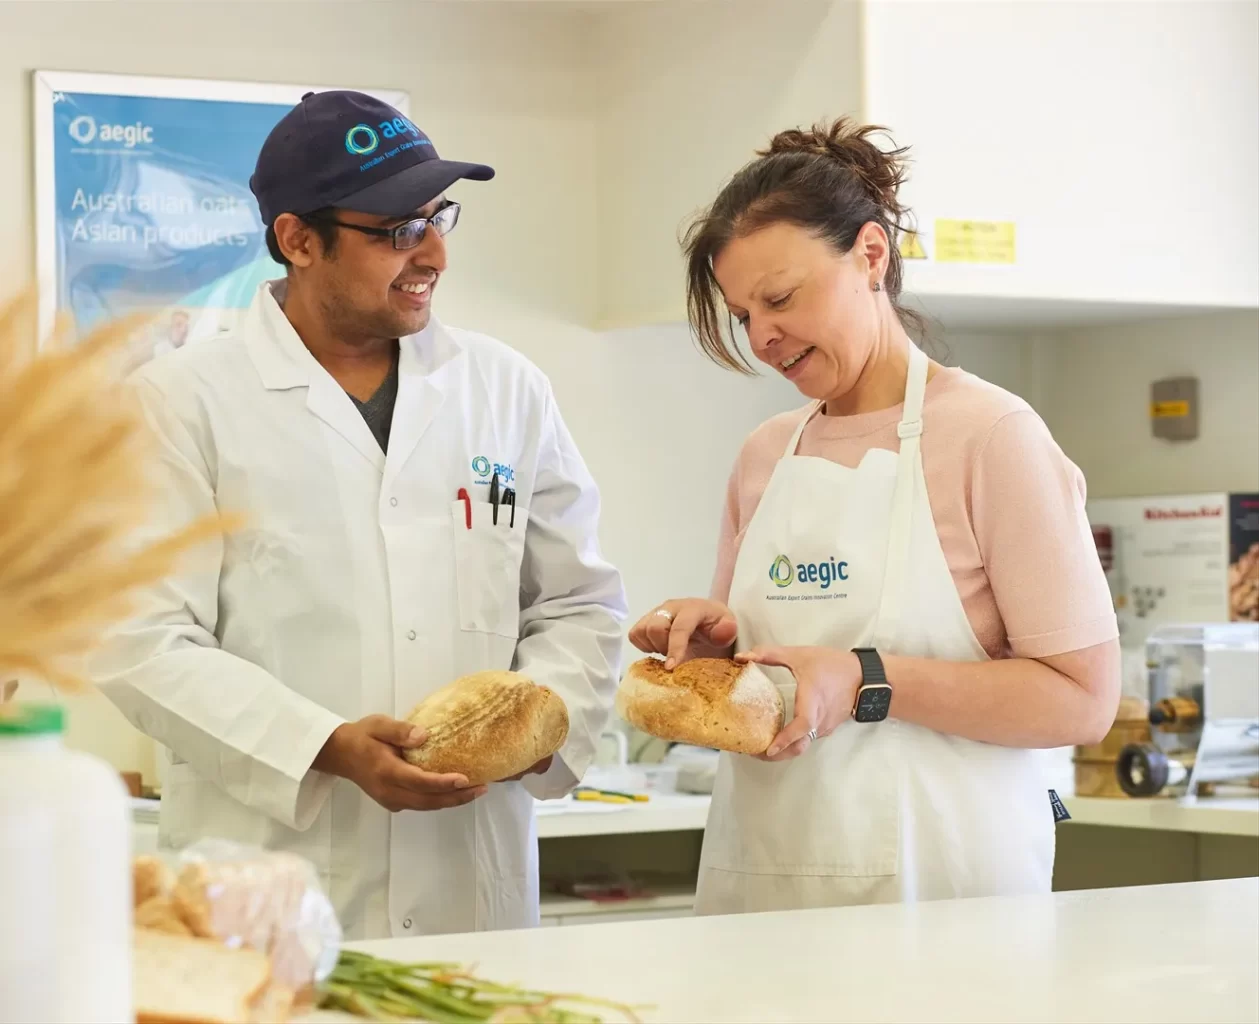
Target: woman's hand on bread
x,y
684,629
826,689
368,753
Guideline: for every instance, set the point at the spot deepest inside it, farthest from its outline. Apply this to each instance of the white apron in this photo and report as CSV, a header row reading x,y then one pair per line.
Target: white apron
x,y
880,812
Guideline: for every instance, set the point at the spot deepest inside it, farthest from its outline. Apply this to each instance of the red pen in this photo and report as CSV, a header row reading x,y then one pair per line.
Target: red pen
x,y
467,502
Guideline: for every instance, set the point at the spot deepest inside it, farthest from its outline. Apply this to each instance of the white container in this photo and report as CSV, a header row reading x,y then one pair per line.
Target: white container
x,y
65,877
28,878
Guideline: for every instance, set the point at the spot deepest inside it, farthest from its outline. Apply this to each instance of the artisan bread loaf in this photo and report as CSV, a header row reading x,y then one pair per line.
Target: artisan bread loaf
x,y
488,726
182,980
709,702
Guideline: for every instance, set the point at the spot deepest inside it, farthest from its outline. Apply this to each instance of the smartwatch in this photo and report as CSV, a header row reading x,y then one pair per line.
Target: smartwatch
x,y
874,695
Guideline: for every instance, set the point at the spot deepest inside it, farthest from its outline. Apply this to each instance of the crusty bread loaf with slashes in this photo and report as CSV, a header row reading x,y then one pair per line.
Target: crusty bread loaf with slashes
x,y
488,726
710,702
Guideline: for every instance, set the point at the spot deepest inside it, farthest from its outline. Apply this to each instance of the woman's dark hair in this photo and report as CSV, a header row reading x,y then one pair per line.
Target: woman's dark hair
x,y
830,180
320,220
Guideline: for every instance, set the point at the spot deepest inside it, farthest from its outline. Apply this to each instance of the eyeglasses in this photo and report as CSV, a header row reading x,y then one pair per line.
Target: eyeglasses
x,y
410,233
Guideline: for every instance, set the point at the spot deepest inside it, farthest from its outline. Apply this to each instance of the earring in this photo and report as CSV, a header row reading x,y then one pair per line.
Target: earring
x,y
878,286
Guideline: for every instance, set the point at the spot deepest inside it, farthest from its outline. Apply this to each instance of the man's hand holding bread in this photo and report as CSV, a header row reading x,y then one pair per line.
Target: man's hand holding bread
x,y
482,728
369,753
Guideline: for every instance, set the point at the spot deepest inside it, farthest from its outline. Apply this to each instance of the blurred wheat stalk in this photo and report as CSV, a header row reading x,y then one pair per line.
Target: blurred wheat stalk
x,y
75,483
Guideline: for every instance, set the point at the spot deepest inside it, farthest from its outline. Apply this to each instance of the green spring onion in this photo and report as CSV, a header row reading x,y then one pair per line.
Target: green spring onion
x,y
443,993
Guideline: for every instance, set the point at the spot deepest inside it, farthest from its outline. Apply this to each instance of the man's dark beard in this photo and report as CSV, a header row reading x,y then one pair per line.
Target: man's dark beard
x,y
354,326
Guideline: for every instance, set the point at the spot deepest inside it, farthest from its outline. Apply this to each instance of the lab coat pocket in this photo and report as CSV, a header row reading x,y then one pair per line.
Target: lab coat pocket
x,y
488,556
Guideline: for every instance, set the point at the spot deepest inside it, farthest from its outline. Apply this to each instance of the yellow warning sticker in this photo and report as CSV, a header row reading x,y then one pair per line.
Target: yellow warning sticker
x,y
911,247
1169,410
974,241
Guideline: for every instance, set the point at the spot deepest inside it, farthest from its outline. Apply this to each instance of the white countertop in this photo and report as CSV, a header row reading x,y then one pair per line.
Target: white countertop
x,y
1214,815
1237,816
680,812
663,812
1156,953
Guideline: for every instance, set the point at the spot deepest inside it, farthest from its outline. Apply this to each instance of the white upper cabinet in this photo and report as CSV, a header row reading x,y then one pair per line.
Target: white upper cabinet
x,y
1121,141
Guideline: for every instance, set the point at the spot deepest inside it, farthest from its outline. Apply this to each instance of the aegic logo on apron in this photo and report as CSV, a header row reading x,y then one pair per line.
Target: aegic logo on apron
x,y
813,581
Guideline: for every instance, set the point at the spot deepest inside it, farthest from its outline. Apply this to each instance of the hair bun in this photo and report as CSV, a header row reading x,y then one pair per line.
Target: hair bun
x,y
881,172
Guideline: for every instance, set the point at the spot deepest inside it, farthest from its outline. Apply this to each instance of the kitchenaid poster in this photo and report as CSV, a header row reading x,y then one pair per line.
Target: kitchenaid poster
x,y
143,201
1169,559
1179,558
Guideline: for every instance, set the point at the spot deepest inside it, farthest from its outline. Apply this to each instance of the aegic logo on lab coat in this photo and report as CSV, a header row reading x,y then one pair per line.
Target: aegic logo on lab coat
x,y
484,469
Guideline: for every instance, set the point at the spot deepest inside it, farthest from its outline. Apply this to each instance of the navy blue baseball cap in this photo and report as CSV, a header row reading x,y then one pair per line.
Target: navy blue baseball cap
x,y
350,150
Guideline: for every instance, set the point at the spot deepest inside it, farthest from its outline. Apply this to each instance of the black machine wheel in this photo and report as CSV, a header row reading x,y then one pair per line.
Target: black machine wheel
x,y
1142,769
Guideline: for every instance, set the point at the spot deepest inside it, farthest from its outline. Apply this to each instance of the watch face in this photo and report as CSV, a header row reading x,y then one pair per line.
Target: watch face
x,y
873,703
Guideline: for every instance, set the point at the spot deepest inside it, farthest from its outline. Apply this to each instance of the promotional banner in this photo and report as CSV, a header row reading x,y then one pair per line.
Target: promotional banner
x,y
142,187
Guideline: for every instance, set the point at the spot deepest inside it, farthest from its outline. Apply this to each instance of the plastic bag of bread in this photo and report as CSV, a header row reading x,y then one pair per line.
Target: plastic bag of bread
x,y
708,702
270,901
235,897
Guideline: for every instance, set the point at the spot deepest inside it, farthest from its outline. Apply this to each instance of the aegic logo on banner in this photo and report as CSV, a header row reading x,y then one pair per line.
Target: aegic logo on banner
x,y
816,579
85,129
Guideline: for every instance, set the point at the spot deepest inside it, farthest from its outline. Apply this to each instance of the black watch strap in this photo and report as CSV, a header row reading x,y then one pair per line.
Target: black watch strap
x,y
871,665
874,695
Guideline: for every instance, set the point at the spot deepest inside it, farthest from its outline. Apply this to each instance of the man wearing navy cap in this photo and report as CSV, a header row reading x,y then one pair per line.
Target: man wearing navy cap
x,y
416,511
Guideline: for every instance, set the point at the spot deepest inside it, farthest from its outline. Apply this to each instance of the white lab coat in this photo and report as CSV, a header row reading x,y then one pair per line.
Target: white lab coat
x,y
355,588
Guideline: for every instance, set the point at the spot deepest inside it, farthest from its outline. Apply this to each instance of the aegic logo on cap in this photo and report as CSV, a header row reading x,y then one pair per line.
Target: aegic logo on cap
x,y
361,140
352,151
364,139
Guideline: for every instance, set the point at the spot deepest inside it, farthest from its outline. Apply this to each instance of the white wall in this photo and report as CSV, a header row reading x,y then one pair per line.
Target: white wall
x,y
672,458
688,92
1098,388
1004,359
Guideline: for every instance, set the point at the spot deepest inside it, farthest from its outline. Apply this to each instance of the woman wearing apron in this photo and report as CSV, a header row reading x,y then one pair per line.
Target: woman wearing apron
x,y
908,556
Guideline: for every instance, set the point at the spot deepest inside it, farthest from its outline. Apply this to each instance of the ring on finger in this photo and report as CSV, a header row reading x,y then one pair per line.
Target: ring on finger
x,y
811,735
664,614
